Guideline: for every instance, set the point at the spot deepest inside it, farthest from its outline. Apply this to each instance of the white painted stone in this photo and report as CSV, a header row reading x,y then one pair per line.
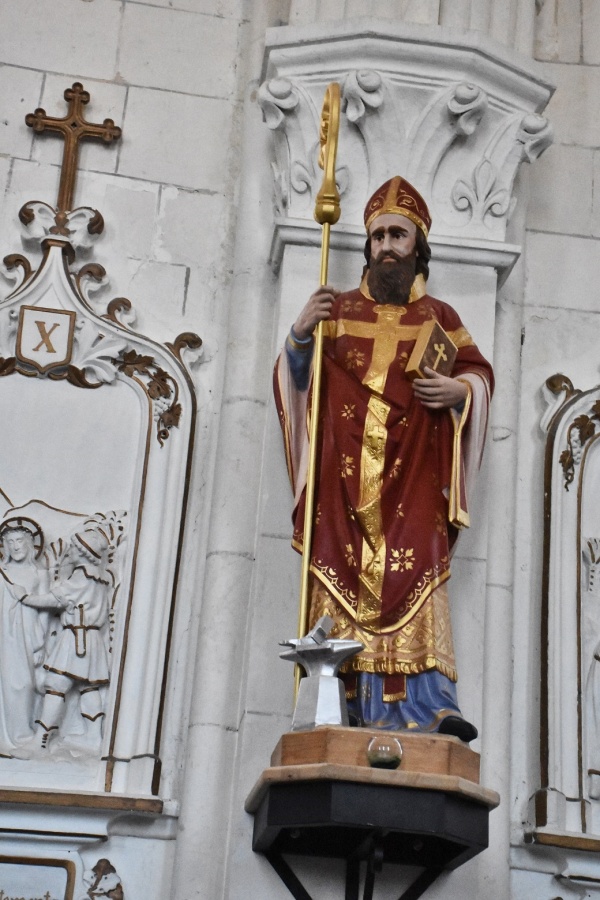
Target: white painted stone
x,y
142,280
573,110
595,227
171,139
182,216
239,441
249,873
200,863
223,629
270,682
467,591
231,8
569,171
23,87
561,270
70,38
558,33
107,101
591,32
203,45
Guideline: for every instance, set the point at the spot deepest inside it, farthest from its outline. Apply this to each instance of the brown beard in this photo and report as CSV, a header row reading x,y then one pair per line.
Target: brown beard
x,y
390,282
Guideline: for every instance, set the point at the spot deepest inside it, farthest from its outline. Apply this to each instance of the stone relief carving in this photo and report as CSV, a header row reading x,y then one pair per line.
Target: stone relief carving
x,y
362,92
103,881
83,595
57,606
571,608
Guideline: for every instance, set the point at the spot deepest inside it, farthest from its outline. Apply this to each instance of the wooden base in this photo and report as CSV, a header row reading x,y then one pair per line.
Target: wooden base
x,y
425,753
334,753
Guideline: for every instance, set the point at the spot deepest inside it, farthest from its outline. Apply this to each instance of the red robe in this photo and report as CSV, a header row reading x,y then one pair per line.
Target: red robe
x,y
392,482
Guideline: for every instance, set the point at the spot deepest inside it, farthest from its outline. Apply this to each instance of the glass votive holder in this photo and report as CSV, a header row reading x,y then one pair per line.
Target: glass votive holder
x,y
384,752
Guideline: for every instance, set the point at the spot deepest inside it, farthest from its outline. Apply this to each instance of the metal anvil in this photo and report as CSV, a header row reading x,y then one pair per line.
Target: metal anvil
x,y
321,697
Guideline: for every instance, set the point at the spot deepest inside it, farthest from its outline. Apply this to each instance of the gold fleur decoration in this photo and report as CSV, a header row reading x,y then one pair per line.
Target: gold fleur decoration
x,y
351,306
395,470
355,359
349,554
318,514
440,523
403,360
399,511
349,410
347,466
402,560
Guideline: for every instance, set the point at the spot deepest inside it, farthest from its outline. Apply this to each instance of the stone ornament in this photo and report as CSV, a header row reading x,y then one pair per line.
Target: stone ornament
x,y
570,727
103,881
458,122
109,428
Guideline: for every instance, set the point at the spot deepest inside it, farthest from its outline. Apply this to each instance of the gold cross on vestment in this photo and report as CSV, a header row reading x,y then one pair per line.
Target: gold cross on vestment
x,y
385,333
74,128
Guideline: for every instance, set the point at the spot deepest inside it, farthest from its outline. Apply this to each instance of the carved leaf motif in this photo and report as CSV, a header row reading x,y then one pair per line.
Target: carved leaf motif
x,y
276,98
95,354
362,89
586,428
301,177
596,410
172,416
159,385
16,260
535,134
568,465
7,366
133,363
468,105
558,383
480,195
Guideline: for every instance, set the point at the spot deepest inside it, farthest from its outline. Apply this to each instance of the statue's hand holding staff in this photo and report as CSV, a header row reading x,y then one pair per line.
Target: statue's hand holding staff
x,y
317,310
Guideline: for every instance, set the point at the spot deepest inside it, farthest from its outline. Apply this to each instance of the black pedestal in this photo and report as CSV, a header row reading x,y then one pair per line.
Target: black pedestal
x,y
376,823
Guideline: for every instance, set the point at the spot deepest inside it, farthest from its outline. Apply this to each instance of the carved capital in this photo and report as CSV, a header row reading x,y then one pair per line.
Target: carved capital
x,y
455,121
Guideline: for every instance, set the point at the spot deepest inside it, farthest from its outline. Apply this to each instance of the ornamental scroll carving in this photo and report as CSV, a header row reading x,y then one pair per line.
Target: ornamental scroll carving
x,y
570,761
459,139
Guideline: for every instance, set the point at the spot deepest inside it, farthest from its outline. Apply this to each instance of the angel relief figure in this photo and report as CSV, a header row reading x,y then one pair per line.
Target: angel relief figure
x,y
76,593
23,631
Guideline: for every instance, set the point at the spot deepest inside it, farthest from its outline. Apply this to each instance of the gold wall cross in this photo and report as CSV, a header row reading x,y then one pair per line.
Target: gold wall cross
x,y
73,128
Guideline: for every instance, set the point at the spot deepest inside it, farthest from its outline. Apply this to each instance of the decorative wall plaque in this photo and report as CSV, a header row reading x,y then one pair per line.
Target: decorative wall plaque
x,y
570,710
96,446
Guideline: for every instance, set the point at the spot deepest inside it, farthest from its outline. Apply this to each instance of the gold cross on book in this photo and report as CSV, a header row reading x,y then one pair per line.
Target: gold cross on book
x,y
74,128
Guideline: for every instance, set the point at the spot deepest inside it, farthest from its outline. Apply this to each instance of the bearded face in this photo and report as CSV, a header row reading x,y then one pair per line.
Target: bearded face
x,y
390,277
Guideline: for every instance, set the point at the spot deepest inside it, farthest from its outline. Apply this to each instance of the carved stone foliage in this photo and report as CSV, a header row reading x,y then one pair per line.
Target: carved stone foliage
x,y
570,761
456,129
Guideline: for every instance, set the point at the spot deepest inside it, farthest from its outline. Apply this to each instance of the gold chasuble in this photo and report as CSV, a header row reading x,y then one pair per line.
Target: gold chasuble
x,y
391,488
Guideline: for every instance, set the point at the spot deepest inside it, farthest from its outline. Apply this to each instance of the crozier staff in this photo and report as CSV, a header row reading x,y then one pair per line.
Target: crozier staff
x,y
396,459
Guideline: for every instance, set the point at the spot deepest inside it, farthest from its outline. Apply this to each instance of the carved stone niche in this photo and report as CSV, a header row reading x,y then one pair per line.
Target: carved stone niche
x,y
569,800
454,119
96,442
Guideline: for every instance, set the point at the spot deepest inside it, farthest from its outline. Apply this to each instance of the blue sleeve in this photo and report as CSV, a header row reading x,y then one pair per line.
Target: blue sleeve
x,y
299,354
